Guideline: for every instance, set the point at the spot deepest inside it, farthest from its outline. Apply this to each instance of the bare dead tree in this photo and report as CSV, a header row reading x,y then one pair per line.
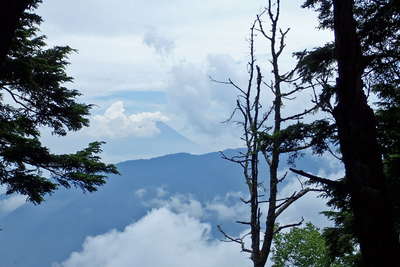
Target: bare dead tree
x,y
268,134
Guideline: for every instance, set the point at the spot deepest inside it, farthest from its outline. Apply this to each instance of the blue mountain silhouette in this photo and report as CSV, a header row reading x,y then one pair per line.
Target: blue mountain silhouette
x,y
37,236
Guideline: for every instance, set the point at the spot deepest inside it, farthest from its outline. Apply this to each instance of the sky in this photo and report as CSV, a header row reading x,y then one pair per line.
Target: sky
x,y
140,62
143,62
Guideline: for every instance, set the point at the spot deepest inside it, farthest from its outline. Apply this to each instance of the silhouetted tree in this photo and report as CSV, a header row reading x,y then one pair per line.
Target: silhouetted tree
x,y
10,13
33,96
364,57
269,134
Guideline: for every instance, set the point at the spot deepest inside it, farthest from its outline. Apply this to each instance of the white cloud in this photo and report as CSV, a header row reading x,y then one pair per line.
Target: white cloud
x,y
161,192
180,203
230,208
226,209
162,238
140,193
116,123
225,212
12,203
197,106
161,44
3,189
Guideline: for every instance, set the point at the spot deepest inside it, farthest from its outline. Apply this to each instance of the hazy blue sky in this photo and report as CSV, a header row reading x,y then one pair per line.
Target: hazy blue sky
x,y
147,61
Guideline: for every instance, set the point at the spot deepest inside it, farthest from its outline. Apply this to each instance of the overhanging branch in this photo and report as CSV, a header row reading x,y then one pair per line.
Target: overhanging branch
x,y
316,178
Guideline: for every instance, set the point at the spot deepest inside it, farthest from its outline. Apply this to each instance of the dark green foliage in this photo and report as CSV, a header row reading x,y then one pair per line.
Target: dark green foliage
x,y
378,28
388,116
10,13
342,246
324,9
33,95
297,137
318,62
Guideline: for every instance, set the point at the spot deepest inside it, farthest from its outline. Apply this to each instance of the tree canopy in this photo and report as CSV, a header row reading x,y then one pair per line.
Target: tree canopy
x,y
10,13
365,59
34,96
307,247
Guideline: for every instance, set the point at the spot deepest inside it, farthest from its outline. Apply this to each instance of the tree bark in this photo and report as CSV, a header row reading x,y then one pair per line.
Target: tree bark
x,y
10,12
358,142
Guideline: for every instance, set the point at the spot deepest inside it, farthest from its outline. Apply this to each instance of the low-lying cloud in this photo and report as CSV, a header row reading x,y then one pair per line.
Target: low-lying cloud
x,y
174,232
162,238
225,209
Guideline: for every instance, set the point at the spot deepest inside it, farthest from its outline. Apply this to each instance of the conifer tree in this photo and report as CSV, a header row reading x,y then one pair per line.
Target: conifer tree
x,y
10,13
364,58
34,96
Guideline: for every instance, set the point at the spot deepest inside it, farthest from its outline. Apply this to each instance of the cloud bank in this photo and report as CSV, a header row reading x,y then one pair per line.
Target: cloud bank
x,y
115,123
174,234
162,238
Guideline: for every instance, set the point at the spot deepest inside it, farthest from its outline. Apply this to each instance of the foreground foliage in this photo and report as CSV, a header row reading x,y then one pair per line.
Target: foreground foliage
x,y
364,58
33,96
307,247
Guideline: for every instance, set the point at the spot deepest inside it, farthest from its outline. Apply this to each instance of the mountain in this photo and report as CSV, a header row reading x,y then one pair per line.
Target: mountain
x,y
37,236
167,141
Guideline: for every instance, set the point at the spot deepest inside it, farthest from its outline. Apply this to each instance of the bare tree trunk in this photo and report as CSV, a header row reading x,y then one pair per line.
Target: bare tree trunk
x,y
358,142
10,13
260,138
275,155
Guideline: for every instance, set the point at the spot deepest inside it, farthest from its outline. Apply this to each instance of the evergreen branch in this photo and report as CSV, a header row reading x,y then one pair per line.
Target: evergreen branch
x,y
316,178
299,115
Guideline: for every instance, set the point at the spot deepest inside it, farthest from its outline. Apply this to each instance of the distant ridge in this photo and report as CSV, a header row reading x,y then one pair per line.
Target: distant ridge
x,y
67,217
168,141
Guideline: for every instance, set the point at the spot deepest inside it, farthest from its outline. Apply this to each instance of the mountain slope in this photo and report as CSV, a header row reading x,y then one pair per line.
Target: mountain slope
x,y
167,141
37,236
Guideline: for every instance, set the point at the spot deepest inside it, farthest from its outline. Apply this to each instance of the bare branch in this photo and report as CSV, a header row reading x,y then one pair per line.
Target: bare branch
x,y
229,82
17,99
262,28
334,154
245,201
280,228
291,200
232,239
282,42
240,222
283,177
